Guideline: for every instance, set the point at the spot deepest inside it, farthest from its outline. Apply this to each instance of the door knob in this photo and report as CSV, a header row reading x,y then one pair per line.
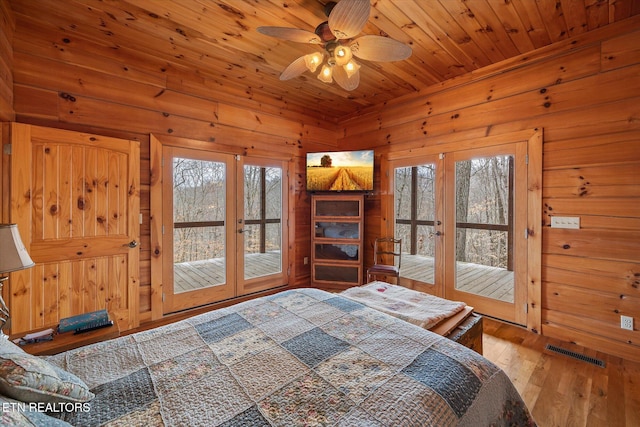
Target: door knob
x,y
132,244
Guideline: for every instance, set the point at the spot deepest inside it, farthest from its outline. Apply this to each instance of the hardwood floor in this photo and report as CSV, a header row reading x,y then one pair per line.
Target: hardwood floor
x,y
562,391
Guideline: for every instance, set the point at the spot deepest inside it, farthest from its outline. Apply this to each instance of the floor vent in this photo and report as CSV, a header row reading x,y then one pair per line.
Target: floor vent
x,y
575,355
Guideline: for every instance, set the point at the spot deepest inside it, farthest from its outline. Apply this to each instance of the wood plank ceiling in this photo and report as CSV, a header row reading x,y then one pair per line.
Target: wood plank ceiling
x,y
217,39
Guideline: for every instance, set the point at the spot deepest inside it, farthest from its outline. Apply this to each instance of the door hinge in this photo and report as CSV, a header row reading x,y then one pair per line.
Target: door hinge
x,y
441,156
288,271
526,159
163,229
238,157
163,297
7,149
526,233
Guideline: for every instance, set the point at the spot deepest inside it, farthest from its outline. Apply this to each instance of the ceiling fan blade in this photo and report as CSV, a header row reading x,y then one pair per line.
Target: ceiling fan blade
x,y
346,82
291,34
294,69
348,18
380,49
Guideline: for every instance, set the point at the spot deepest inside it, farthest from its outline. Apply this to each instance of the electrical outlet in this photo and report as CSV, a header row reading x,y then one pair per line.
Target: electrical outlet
x,y
565,222
626,322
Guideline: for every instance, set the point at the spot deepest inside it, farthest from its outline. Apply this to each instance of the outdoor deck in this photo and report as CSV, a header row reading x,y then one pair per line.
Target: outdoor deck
x,y
190,276
491,282
473,278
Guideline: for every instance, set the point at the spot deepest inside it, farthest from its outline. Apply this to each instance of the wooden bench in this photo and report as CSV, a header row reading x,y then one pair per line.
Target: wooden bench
x,y
464,328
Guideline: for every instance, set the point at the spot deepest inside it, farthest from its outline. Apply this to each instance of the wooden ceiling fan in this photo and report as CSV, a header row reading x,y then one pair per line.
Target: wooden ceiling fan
x,y
346,20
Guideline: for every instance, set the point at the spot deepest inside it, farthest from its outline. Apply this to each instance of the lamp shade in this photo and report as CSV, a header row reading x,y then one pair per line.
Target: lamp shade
x,y
13,254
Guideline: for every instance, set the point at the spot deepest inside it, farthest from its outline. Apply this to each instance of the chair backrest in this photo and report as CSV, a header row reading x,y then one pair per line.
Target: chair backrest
x,y
385,247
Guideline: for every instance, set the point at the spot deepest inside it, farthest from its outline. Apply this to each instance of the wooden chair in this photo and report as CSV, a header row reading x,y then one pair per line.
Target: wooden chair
x,y
387,255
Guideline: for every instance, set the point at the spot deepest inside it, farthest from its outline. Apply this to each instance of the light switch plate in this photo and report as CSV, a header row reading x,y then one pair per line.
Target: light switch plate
x,y
565,222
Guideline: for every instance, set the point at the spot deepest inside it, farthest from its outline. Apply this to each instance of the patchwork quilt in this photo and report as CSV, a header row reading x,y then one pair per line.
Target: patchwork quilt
x,y
299,357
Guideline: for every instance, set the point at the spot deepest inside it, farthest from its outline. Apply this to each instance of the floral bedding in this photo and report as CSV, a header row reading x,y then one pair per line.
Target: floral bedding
x,y
299,357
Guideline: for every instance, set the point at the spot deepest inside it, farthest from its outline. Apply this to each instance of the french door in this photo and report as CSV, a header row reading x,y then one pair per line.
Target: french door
x,y
462,216
224,226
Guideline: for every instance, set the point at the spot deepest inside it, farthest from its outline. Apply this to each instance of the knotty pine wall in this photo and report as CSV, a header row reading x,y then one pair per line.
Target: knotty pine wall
x,y
80,86
7,28
585,94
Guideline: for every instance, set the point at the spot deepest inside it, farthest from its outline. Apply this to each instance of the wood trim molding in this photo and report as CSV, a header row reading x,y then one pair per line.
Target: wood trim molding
x,y
534,228
155,218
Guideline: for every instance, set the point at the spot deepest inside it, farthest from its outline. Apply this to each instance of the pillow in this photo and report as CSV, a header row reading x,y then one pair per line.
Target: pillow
x,y
32,379
16,413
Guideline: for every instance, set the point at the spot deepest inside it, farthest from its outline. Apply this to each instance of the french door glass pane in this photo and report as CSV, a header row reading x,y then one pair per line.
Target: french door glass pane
x,y
484,227
262,221
199,228
414,204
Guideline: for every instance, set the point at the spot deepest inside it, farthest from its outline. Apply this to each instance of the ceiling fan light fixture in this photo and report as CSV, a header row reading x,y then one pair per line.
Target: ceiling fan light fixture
x,y
343,55
351,68
326,74
313,60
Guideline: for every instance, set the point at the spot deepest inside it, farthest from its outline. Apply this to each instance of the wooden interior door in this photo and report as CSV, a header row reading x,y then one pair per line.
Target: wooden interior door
x,y
75,198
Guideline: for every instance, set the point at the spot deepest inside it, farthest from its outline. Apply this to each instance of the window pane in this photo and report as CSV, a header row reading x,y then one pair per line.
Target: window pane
x,y
198,250
426,179
198,190
483,230
415,209
402,193
262,233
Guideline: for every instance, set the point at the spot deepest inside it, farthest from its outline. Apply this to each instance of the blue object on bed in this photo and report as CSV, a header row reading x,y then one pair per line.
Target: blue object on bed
x,y
299,357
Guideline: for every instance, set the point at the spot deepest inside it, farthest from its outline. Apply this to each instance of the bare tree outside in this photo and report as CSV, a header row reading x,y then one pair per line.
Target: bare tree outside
x,y
482,196
198,197
262,209
415,209
482,213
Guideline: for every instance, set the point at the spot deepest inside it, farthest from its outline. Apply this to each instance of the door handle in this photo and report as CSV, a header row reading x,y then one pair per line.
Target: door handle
x,y
240,230
438,233
132,244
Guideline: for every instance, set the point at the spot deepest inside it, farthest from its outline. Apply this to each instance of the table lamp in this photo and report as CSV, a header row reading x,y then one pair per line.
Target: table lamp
x,y
13,257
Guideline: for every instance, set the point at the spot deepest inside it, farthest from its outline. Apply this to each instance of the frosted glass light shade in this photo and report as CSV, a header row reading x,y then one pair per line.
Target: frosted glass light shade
x,y
342,55
313,60
326,74
351,68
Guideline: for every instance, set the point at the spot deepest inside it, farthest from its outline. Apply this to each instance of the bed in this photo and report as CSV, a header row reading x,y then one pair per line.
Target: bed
x,y
298,357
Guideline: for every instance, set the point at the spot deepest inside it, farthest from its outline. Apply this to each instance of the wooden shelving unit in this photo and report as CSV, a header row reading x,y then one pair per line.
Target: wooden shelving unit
x,y
337,228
